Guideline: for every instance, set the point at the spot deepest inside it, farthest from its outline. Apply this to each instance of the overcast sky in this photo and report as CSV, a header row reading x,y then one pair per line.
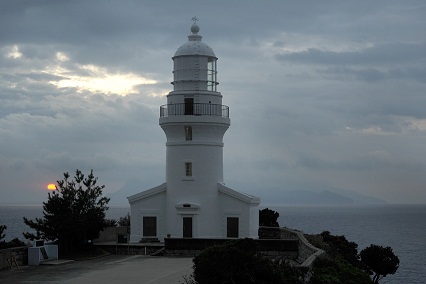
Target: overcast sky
x,y
322,94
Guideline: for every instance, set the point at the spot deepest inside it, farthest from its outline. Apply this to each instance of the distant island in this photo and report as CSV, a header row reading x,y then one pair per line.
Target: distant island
x,y
324,196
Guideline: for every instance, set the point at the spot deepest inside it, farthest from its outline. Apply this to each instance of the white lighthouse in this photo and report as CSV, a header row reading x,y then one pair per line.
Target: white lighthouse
x,y
194,202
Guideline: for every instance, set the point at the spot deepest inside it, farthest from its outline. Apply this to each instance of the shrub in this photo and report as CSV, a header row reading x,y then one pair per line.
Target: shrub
x,y
124,221
335,271
240,262
12,244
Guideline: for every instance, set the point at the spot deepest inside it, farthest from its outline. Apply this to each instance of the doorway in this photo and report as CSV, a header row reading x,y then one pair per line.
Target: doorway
x,y
187,227
149,226
189,106
232,224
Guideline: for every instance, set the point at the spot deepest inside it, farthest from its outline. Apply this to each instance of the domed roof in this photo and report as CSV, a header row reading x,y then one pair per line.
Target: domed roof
x,y
195,46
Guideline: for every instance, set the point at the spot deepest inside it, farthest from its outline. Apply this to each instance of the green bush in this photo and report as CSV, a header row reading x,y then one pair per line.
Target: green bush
x,y
240,262
339,246
12,244
337,270
124,221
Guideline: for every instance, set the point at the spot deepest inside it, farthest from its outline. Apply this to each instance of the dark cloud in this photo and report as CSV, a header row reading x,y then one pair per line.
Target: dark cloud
x,y
320,94
381,55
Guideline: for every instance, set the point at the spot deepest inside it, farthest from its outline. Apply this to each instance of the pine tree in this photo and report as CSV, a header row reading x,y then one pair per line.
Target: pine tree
x,y
73,214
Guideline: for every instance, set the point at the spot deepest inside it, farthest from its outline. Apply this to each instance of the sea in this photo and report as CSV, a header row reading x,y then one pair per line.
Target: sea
x,y
402,227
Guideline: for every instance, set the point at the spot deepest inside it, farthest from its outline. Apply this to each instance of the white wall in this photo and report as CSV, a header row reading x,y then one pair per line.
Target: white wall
x,y
150,206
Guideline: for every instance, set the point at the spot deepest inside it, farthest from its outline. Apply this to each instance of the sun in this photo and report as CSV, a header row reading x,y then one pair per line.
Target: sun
x,y
51,186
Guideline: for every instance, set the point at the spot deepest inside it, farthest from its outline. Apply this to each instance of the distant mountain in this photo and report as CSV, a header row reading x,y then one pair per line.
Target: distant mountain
x,y
320,196
359,198
131,187
330,196
305,197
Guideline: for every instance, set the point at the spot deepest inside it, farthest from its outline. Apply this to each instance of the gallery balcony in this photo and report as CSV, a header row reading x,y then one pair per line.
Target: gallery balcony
x,y
194,109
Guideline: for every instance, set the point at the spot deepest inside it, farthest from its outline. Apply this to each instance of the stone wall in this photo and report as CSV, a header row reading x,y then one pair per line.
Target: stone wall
x,y
110,234
283,249
274,242
307,253
130,249
20,254
277,233
270,233
278,255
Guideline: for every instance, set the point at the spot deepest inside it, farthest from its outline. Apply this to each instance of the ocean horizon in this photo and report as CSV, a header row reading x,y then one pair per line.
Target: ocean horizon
x,y
399,226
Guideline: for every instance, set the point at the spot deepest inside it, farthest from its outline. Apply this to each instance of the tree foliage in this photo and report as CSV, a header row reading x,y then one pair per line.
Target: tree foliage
x,y
343,264
110,223
380,260
340,246
340,264
240,262
2,234
268,218
328,270
10,244
124,221
73,214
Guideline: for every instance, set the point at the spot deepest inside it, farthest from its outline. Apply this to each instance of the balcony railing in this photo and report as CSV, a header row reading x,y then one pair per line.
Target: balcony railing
x,y
196,109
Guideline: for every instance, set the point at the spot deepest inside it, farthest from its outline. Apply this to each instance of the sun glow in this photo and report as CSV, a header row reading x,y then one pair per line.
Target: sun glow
x,y
14,53
96,79
51,186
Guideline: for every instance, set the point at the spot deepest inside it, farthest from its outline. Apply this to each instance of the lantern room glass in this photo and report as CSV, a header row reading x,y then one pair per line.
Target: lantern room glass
x,y
211,74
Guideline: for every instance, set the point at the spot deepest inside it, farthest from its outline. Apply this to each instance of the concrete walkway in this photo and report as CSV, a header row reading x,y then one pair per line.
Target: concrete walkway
x,y
110,269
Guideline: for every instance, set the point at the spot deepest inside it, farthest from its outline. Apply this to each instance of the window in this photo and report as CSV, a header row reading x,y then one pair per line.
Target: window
x,y
149,226
211,74
232,227
188,133
188,169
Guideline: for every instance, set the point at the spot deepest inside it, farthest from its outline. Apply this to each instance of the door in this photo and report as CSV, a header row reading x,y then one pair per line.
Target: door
x,y
189,106
149,226
187,227
232,224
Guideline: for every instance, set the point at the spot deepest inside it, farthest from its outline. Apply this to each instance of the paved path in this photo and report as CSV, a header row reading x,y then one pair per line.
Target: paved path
x,y
110,269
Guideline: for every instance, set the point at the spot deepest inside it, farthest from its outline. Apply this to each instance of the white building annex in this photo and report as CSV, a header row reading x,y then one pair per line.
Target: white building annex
x,y
193,202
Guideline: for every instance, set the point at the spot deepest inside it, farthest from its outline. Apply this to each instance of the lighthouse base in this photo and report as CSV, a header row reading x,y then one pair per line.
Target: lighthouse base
x,y
236,215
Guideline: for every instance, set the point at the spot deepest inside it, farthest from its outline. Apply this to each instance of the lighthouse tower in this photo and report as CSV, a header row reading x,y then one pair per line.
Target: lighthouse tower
x,y
194,202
